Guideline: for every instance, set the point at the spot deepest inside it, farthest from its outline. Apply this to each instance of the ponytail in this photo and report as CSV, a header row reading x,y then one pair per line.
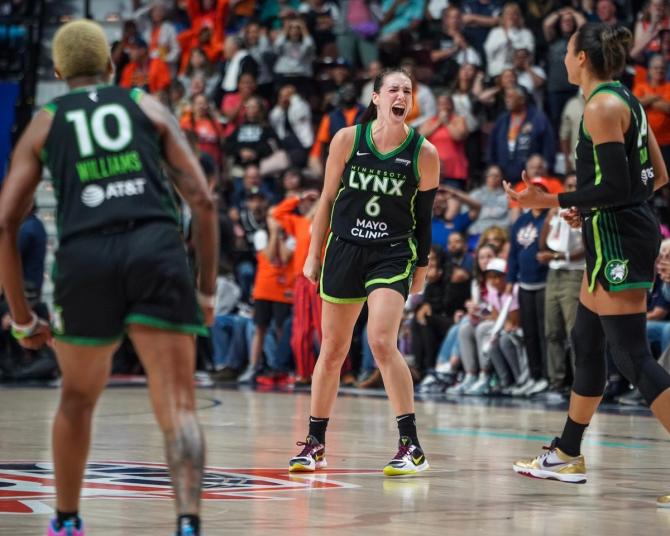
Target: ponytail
x,y
605,46
616,42
370,114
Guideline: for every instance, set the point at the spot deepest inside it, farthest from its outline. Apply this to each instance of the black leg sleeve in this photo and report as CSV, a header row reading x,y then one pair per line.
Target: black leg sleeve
x,y
588,343
627,339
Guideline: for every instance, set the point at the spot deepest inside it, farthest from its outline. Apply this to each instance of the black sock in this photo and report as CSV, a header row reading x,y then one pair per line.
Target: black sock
x,y
191,521
317,428
571,438
62,517
407,427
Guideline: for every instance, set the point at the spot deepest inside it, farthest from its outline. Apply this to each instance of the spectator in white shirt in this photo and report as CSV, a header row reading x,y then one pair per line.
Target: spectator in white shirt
x,y
561,247
502,40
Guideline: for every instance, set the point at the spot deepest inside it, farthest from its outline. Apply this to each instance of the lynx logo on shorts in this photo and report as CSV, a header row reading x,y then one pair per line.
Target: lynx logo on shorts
x,y
94,195
616,271
29,488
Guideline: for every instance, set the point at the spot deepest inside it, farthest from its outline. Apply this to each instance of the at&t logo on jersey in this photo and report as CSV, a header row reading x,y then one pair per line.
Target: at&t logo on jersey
x,y
94,195
29,487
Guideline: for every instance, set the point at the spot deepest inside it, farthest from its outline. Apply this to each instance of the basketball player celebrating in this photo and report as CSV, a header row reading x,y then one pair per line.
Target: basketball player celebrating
x,y
380,182
619,165
121,263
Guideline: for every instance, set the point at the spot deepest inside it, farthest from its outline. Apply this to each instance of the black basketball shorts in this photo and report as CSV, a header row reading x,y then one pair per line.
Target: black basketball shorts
x,y
351,272
104,282
620,247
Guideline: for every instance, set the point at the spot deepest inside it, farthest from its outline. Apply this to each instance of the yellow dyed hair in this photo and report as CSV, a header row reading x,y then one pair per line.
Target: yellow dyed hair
x,y
80,48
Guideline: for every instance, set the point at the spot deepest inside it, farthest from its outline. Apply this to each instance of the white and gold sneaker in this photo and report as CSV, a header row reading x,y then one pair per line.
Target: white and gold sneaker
x,y
554,464
409,460
663,501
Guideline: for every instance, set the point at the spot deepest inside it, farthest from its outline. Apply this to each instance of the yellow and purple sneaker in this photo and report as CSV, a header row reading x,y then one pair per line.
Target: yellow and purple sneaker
x,y
71,527
409,460
311,458
554,464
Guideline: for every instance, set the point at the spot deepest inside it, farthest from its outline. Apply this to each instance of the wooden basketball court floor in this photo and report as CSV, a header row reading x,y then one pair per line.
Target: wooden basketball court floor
x,y
469,490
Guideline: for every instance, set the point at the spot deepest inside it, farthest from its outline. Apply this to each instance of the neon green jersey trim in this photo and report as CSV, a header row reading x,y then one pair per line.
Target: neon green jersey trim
x,y
357,137
630,286
385,156
88,341
159,323
599,253
322,292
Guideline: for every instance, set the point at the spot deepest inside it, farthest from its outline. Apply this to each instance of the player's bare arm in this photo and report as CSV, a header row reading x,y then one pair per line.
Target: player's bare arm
x,y
340,148
24,175
190,181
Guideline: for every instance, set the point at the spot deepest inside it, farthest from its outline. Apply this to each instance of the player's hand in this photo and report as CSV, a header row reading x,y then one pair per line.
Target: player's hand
x,y
532,197
39,338
573,217
418,280
312,269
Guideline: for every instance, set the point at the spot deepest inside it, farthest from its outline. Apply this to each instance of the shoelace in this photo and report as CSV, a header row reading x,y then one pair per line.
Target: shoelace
x,y
549,448
403,451
307,447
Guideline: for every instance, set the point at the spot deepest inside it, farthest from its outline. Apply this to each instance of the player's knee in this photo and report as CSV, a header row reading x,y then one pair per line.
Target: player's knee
x,y
75,401
333,352
383,345
588,345
626,335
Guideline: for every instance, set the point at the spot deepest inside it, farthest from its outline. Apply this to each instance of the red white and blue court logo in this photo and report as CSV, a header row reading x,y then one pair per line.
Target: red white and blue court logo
x,y
29,488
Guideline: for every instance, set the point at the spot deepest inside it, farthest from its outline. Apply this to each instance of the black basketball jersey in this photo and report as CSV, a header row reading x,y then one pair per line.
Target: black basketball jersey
x,y
103,154
376,200
636,144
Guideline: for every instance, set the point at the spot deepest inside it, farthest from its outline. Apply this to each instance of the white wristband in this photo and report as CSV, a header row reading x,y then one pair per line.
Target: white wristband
x,y
21,331
206,300
567,256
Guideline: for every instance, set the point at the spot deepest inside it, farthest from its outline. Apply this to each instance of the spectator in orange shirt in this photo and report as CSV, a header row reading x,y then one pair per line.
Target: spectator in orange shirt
x,y
208,23
348,113
150,74
654,95
295,215
203,123
272,292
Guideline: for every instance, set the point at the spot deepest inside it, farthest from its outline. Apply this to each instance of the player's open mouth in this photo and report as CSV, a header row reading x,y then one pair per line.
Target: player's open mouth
x,y
398,110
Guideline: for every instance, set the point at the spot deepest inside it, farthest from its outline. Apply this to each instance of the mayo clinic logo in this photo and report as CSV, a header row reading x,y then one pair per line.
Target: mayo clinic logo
x,y
94,195
29,488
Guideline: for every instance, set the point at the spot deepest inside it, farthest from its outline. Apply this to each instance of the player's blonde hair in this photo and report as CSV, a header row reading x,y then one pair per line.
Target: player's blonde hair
x,y
80,48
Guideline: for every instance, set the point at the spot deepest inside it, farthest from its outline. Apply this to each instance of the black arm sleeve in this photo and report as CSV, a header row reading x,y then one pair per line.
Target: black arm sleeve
x,y
614,186
423,230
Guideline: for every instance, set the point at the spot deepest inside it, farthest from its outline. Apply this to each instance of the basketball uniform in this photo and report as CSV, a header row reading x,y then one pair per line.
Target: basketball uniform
x,y
372,243
621,242
120,259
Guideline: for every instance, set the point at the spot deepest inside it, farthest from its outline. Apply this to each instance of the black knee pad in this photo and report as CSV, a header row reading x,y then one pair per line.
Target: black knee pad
x,y
627,338
588,343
